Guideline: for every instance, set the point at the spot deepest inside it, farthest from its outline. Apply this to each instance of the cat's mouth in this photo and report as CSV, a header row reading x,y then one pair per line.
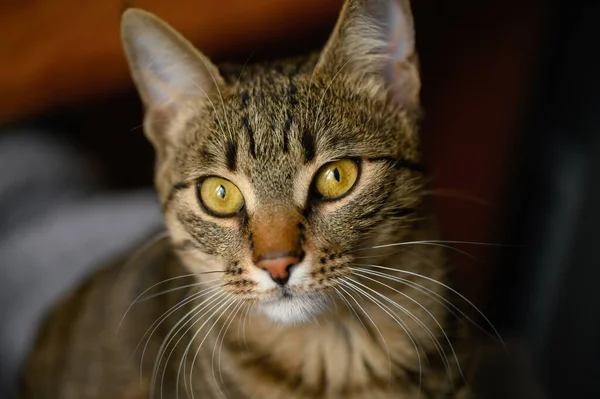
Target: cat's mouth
x,y
293,308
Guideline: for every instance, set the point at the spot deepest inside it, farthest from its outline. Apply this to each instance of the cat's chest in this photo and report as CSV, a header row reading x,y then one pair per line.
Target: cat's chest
x,y
333,360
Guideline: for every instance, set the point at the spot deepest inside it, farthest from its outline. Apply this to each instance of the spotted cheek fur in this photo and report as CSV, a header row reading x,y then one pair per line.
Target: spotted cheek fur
x,y
237,281
328,268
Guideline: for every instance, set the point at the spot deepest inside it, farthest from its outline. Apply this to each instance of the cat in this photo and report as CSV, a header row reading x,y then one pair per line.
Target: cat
x,y
299,260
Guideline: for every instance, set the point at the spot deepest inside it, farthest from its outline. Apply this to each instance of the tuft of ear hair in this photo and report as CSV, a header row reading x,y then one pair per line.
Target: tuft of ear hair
x,y
376,38
167,69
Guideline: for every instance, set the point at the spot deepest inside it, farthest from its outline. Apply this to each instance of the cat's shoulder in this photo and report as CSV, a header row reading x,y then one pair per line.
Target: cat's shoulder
x,y
100,321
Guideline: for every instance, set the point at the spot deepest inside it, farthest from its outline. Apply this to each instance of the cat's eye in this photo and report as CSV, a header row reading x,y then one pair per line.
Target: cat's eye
x,y
220,197
335,179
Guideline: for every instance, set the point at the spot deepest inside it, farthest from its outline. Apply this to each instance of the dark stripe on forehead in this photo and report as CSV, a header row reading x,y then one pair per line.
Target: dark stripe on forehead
x,y
245,99
308,143
245,96
246,123
286,131
293,101
231,155
292,91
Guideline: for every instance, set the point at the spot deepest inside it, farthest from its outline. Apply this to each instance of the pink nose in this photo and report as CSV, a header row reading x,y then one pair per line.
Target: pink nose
x,y
278,268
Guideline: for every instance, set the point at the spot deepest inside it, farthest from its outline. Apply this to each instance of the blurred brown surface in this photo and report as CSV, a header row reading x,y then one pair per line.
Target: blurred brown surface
x,y
57,51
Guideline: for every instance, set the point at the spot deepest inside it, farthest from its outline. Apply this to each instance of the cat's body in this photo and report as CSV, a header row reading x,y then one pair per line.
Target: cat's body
x,y
97,354
90,354
315,162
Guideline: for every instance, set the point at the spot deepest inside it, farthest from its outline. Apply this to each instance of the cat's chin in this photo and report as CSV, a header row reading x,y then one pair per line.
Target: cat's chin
x,y
298,309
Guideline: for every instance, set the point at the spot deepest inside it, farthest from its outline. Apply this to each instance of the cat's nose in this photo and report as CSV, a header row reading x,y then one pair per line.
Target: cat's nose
x,y
278,267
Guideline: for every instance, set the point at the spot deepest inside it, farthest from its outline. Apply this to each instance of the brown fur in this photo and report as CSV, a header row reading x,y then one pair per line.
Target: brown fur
x,y
268,129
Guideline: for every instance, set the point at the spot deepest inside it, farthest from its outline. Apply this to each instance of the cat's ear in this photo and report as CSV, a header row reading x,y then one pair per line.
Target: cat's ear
x,y
376,38
166,69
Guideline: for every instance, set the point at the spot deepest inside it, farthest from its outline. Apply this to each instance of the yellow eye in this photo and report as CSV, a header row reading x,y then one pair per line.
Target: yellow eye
x,y
336,178
220,196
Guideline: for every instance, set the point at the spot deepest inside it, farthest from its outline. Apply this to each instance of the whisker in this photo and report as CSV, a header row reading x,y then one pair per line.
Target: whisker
x,y
250,308
232,302
146,290
461,296
448,305
221,299
434,242
136,255
216,296
464,315
222,334
153,122
352,310
380,255
244,68
310,86
210,101
327,89
220,96
154,326
400,323
419,322
345,283
147,298
332,300
187,318
157,284
136,127
211,272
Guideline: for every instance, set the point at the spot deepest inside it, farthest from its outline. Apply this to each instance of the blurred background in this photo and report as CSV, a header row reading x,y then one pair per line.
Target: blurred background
x,y
511,134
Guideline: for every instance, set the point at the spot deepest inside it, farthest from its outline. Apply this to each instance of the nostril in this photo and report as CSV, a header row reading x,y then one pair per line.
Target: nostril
x,y
279,268
288,273
281,280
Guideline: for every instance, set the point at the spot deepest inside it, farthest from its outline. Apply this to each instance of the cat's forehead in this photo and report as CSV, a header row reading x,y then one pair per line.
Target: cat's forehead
x,y
272,139
274,119
252,129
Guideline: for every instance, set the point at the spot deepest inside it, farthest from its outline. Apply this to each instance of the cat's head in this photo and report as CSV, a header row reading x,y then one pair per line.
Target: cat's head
x,y
277,174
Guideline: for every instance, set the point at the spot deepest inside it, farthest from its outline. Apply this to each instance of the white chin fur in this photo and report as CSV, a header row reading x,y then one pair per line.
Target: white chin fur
x,y
294,310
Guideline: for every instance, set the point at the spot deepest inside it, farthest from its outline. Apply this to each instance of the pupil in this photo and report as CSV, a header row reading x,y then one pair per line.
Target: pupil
x,y
221,192
336,175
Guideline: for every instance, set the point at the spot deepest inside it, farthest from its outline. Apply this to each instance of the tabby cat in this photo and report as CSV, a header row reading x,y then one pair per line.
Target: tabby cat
x,y
299,260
